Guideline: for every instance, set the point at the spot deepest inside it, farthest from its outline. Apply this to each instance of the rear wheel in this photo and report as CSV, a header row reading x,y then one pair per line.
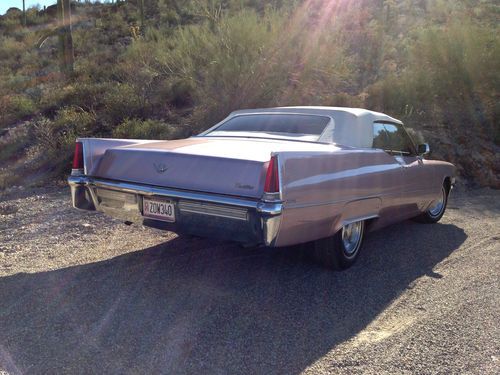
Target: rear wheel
x,y
342,249
436,210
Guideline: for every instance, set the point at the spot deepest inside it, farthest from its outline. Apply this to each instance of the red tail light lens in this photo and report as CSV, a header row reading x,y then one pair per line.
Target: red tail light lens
x,y
272,184
78,157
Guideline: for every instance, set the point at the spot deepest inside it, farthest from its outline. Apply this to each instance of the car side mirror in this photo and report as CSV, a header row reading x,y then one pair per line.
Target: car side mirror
x,y
423,149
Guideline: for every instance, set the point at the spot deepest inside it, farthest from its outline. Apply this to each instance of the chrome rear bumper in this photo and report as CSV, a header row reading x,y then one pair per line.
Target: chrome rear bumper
x,y
204,214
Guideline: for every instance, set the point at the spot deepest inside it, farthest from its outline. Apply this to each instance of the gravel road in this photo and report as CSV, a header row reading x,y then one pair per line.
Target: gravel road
x,y
82,293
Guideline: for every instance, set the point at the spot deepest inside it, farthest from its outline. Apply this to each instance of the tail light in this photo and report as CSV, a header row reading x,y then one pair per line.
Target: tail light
x,y
272,184
78,157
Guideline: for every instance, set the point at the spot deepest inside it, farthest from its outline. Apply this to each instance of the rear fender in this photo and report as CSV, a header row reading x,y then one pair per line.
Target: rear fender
x,y
361,209
322,191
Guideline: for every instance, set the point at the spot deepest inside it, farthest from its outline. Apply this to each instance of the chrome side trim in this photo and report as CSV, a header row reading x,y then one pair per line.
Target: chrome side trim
x,y
356,219
293,205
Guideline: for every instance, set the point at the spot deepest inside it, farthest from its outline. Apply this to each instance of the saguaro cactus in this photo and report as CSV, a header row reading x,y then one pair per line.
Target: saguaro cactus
x,y
66,53
141,10
24,13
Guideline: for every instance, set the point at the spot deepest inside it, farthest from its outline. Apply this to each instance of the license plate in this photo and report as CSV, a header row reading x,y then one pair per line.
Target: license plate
x,y
158,209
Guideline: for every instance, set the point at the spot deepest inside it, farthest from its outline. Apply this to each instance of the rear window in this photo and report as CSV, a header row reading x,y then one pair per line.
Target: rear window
x,y
280,124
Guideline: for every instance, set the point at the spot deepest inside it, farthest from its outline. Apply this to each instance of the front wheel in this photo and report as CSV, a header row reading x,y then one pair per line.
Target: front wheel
x,y
341,250
436,211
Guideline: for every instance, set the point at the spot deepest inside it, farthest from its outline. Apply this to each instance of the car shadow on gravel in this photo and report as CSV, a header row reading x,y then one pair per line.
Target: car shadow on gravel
x,y
197,306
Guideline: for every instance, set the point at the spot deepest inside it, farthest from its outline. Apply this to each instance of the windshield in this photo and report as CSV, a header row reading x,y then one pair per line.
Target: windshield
x,y
295,126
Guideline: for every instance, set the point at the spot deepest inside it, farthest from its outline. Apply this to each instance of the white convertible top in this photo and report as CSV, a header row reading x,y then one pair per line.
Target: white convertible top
x,y
363,115
350,126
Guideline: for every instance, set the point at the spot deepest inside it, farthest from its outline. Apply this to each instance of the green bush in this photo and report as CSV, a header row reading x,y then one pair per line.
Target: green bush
x,y
15,108
452,71
10,49
121,101
57,137
143,129
21,106
87,95
246,60
12,149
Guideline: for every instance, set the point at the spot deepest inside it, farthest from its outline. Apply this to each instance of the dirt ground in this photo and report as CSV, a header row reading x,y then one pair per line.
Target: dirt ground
x,y
83,293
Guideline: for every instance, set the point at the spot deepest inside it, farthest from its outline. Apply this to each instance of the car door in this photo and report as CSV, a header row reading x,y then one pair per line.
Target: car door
x,y
413,184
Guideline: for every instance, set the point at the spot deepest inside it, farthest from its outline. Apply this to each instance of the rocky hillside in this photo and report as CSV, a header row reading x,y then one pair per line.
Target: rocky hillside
x,y
170,68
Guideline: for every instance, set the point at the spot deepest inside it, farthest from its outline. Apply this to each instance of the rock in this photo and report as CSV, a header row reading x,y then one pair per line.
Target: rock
x,y
8,209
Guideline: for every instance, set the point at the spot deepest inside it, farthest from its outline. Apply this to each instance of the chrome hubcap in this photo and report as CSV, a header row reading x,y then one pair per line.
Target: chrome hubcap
x,y
438,205
351,237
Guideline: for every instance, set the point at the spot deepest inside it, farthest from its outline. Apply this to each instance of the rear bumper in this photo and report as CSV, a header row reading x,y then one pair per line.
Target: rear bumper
x,y
208,215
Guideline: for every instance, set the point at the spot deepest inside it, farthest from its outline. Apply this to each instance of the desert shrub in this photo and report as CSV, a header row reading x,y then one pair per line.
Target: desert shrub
x,y
148,86
91,68
449,62
10,49
143,129
180,93
56,137
15,83
11,22
13,142
345,100
390,94
21,106
121,101
114,26
14,108
53,95
247,60
168,15
87,95
455,66
156,89
33,17
236,68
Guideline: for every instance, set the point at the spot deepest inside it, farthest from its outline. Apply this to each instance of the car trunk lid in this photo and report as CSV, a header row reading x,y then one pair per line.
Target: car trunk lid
x,y
230,166
192,164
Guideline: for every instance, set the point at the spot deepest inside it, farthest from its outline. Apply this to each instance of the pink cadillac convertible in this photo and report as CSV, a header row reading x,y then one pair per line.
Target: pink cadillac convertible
x,y
274,177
